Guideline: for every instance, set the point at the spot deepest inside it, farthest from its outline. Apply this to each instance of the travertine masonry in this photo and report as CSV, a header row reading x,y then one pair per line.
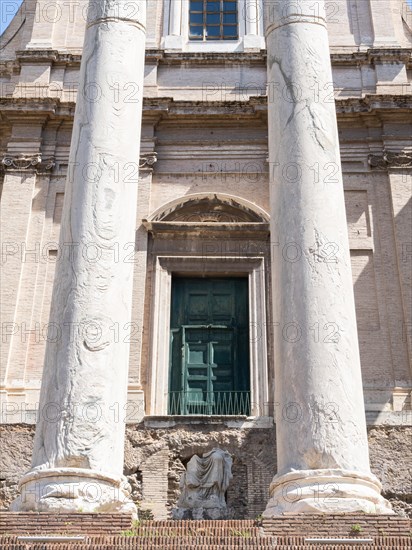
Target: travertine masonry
x,y
166,451
205,114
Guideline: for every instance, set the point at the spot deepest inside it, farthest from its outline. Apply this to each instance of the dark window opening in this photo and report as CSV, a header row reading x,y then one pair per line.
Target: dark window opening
x,y
213,20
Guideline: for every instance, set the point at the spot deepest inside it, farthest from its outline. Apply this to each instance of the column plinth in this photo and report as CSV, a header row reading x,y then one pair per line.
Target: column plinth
x,y
74,490
79,444
322,447
326,491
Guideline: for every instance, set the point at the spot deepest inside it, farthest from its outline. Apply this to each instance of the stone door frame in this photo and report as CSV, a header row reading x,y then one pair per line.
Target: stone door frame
x,y
165,267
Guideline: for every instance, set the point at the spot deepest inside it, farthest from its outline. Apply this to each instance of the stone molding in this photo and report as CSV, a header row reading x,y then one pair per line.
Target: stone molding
x,y
147,161
372,56
326,491
41,55
256,106
56,489
154,55
165,267
194,208
390,159
21,163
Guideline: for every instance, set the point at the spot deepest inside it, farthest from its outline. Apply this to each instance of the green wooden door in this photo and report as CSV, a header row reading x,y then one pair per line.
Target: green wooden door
x,y
209,371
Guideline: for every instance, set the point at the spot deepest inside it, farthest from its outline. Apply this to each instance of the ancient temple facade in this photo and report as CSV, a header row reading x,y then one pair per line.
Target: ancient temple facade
x,y
223,191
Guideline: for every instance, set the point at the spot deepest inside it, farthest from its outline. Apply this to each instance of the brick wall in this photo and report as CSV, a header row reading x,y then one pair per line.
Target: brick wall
x,y
109,531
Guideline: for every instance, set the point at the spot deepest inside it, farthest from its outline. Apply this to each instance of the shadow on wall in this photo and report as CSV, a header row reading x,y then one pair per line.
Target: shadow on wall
x,y
382,287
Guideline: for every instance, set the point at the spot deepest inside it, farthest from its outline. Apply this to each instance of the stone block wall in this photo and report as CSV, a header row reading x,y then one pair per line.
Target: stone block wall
x,y
156,457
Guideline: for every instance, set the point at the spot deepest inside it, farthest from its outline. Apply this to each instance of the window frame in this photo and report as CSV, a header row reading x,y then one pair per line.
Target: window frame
x,y
204,25
179,41
213,45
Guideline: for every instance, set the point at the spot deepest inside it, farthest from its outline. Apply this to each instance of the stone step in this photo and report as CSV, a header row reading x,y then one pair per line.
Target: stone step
x,y
107,524
341,525
59,523
116,531
164,543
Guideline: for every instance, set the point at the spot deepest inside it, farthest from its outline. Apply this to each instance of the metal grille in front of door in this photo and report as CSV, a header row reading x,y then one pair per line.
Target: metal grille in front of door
x,y
208,360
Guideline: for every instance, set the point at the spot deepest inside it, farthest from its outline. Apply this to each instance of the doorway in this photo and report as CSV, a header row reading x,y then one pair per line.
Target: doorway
x,y
209,347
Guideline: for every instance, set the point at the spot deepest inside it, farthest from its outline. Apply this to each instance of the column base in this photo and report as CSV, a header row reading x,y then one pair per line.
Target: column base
x,y
73,490
326,492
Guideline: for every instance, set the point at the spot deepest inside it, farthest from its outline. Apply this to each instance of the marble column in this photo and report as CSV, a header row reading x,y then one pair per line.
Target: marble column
x,y
78,451
322,448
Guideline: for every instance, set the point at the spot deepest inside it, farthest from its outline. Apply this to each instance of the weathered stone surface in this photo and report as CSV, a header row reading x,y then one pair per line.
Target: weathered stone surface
x,y
390,452
203,486
79,449
16,448
253,466
210,147
253,462
323,466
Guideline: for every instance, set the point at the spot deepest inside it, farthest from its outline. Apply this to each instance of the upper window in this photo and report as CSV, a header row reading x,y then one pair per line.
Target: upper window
x,y
213,20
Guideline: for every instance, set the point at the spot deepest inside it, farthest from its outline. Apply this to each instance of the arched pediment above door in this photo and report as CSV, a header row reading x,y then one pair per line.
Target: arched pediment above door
x,y
209,210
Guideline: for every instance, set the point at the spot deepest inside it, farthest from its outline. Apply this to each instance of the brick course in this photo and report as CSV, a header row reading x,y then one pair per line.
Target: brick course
x,y
113,532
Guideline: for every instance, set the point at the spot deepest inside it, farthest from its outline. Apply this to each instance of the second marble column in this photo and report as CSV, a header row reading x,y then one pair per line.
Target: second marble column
x,y
323,462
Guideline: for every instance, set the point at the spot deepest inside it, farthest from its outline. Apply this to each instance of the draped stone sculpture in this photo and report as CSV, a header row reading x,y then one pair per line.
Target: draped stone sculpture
x,y
204,485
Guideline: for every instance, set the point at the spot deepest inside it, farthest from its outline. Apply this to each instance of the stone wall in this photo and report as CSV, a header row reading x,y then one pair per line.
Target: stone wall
x,y
156,457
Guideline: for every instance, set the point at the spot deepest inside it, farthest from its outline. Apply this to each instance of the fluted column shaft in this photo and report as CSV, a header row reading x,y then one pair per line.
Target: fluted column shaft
x,y
320,420
78,453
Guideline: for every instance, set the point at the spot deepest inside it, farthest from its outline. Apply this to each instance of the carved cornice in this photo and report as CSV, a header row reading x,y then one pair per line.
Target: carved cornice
x,y
371,56
390,55
390,159
370,104
22,163
374,103
156,56
179,229
339,56
54,56
147,161
210,208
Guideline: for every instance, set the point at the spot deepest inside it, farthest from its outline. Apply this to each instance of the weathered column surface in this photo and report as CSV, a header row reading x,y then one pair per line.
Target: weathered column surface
x,y
78,455
323,462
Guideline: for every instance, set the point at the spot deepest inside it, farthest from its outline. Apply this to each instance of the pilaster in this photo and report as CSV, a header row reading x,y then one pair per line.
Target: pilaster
x,y
382,22
148,159
20,163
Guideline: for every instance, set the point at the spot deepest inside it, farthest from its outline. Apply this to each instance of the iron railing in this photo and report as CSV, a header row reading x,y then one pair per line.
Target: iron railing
x,y
217,403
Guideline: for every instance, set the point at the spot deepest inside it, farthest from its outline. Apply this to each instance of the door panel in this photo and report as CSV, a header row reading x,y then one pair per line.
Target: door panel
x,y
210,375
